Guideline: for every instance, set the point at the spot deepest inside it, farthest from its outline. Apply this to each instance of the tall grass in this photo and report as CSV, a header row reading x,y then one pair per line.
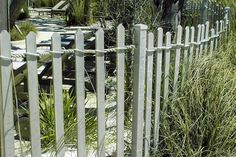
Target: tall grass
x,y
201,120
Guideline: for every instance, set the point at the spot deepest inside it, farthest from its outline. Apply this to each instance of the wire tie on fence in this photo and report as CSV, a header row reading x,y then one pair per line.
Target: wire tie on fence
x,y
79,50
32,54
100,51
150,50
6,58
186,46
164,48
57,52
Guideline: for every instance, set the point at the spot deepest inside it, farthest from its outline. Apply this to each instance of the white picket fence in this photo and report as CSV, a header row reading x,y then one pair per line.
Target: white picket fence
x,y
193,45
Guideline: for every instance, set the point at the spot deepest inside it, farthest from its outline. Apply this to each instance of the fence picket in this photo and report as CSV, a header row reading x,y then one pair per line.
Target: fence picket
x,y
186,49
167,68
191,46
212,40
120,90
80,93
58,97
138,96
100,78
148,111
158,87
6,97
206,36
33,94
217,34
198,41
202,40
177,58
221,31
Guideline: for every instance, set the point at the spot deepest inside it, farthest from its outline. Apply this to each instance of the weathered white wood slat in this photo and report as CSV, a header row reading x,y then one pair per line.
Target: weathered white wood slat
x,y
167,68
100,78
198,41
202,40
120,90
206,37
57,91
191,46
221,31
217,33
212,41
138,95
148,109
33,94
80,93
6,97
177,58
158,88
186,49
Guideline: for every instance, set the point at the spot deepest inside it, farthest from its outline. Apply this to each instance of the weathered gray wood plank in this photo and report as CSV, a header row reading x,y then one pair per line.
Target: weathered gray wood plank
x,y
167,69
202,40
212,41
206,37
191,46
120,90
58,97
6,99
32,73
158,88
177,58
148,110
100,75
186,49
80,93
140,37
198,41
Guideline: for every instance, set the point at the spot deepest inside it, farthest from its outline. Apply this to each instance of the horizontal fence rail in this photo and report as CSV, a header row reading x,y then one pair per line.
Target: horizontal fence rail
x,y
189,45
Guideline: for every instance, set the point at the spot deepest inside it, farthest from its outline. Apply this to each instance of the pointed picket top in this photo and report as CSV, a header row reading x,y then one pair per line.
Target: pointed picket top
x,y
31,42
186,36
207,30
79,39
179,34
150,41
192,34
199,33
100,39
120,36
56,42
5,44
160,37
168,39
202,32
141,27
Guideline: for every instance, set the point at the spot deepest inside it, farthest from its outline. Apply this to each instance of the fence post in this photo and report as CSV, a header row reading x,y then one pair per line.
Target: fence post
x,y
185,61
198,40
158,87
120,90
58,96
202,40
138,97
80,93
177,58
6,97
148,111
33,92
212,40
206,36
191,46
167,68
100,84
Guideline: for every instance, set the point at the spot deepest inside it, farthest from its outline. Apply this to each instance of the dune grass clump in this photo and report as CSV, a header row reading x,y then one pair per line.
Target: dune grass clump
x,y
201,120
25,28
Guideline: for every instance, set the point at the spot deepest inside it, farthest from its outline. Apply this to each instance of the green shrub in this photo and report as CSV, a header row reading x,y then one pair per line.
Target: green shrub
x,y
201,120
25,28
